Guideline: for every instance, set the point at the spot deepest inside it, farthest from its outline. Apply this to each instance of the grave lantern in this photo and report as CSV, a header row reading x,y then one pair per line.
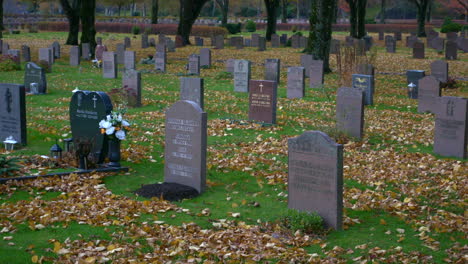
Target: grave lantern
x,y
411,87
56,152
9,143
34,88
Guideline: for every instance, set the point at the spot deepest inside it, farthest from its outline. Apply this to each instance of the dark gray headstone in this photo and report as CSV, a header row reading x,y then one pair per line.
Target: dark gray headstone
x,y
451,50
144,41
35,74
261,44
160,58
98,41
390,44
87,109
365,68
272,69
418,50
120,53
230,65
368,42
463,44
56,49
428,93
100,51
85,51
129,59
262,101
315,176
254,38
296,82
306,61
275,41
350,111
205,57
127,42
412,78
365,83
241,75
438,44
199,41
131,81
219,41
185,148
302,42
194,64
109,65
335,46
397,36
439,69
450,133
12,112
284,39
192,89
452,36
26,52
45,54
75,55
316,73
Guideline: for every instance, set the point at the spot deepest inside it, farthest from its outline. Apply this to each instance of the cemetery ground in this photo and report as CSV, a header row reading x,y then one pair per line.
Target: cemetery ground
x,y
402,203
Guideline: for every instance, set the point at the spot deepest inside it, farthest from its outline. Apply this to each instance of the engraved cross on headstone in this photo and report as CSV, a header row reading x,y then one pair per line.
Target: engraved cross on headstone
x,y
94,99
450,107
261,87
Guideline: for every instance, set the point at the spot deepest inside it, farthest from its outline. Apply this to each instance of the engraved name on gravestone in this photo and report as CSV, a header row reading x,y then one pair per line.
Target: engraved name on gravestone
x,y
306,61
26,52
12,112
100,51
366,84
450,133
439,69
412,78
75,55
35,74
185,148
191,89
428,92
316,73
120,53
315,176
418,50
296,82
129,60
262,101
85,51
272,70
350,111
241,75
87,109
109,65
194,64
205,57
132,82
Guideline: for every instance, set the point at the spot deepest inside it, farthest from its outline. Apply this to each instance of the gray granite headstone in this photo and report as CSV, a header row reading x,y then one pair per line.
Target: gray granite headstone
x,y
144,41
296,82
26,52
230,65
194,64
120,53
100,49
438,44
75,55
428,92
275,41
131,81
219,41
129,60
56,50
170,44
186,142
127,42
192,89
272,69
160,58
5,48
418,50
35,74
451,50
295,42
390,44
262,101
241,75
463,44
45,54
412,78
261,44
109,65
368,42
254,38
85,51
365,83
452,36
205,57
302,42
12,112
306,61
411,40
284,39
350,111
450,133
315,176
316,73
439,69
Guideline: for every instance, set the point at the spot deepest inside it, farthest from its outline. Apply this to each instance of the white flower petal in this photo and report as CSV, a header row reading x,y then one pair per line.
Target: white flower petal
x,y
125,123
120,134
110,130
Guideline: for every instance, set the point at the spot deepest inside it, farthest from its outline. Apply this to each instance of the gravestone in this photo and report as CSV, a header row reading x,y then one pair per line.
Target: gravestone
x,y
56,50
13,112
35,74
390,44
241,75
109,65
185,148
199,41
439,69
179,42
26,52
219,41
152,42
452,36
349,41
463,44
296,82
230,65
5,48
261,44
316,73
98,41
170,45
87,109
350,111
438,44
194,64
248,42
262,101
397,36
85,51
418,50
315,176
381,35
120,53
15,53
365,68
428,92
100,51
160,58
272,69
368,41
131,81
451,50
1,46
411,40
365,83
412,78
205,57
284,39
75,55
129,60
144,41
192,89
162,39
275,41
302,42
45,54
335,46
450,133
127,42
306,61
255,38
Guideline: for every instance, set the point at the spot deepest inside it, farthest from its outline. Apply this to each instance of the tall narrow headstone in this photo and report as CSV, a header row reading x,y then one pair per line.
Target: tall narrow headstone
x,y
295,41
35,74
296,82
99,51
56,49
109,65
428,94
306,61
275,41
219,40
26,52
272,70
335,46
241,75
439,69
350,111
194,64
160,58
390,44
127,42
132,83
98,41
129,60
262,101
120,53
365,83
75,55
261,44
316,73
185,148
412,78
192,89
315,176
85,51
5,47
144,41
12,112
205,57
255,39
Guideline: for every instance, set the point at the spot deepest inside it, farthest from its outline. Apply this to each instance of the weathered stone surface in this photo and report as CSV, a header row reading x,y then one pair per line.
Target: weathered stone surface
x,y
306,61
315,176
12,112
366,84
120,53
418,50
255,38
438,44
296,82
85,51
75,55
272,70
127,42
144,41
99,51
230,65
439,69
192,89
451,50
45,54
275,41
241,75
185,148
109,65
131,81
194,64
205,57
219,42
26,52
129,60
262,101
261,44
350,111
390,44
315,73
56,50
35,74
412,77
160,58
428,93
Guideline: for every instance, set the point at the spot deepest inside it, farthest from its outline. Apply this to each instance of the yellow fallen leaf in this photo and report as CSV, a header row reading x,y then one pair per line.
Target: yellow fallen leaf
x,y
34,259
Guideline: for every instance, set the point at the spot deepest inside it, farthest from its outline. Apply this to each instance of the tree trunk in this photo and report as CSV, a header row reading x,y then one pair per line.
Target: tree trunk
x,y
271,7
429,11
284,11
352,18
154,11
189,11
382,12
320,33
361,11
1,19
224,6
119,7
73,15
88,11
422,9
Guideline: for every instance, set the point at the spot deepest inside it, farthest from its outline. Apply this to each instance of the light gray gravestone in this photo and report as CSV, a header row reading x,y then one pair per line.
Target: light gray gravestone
x,y
316,73
75,55
120,53
35,74
160,58
192,89
205,57
129,60
99,51
296,82
45,54
194,64
85,51
315,176
306,61
350,111
262,101
366,84
412,78
109,65
185,148
241,75
439,69
428,92
272,69
131,81
12,112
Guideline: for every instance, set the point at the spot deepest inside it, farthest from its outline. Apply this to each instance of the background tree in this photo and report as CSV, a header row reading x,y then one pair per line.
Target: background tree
x,y
382,11
224,6
72,11
189,10
1,19
87,16
357,12
272,8
284,11
154,11
320,33
421,6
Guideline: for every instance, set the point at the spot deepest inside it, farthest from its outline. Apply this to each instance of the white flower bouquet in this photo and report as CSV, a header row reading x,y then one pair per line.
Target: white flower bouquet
x,y
114,126
97,63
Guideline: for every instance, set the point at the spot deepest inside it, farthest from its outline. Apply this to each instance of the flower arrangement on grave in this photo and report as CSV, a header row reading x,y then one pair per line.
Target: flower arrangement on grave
x,y
97,63
114,126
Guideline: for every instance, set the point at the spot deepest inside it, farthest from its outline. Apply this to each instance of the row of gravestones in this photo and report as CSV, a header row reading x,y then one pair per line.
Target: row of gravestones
x,y
451,50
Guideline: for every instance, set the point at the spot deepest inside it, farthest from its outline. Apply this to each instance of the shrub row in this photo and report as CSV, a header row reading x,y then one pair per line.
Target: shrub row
x,y
167,29
404,28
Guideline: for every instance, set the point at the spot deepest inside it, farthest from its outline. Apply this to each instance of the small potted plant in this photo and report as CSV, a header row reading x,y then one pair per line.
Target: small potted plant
x,y
115,128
